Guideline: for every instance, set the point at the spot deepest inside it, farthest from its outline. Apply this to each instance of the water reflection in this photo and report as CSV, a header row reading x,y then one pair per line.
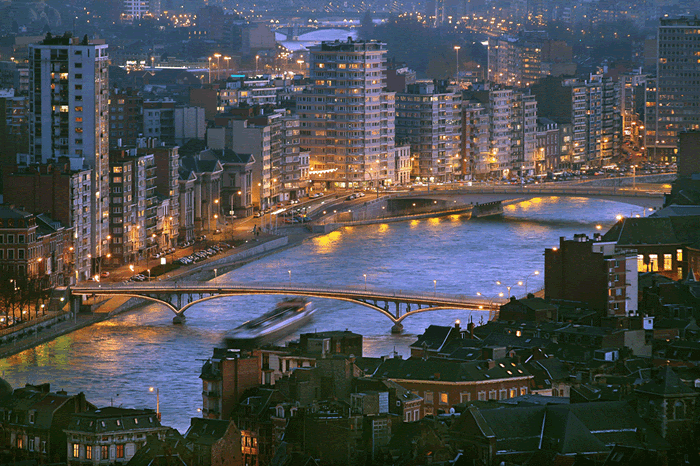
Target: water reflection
x,y
116,361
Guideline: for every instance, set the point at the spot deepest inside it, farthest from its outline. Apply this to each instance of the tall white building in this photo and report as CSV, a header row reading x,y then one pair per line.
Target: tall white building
x,y
347,119
69,116
137,9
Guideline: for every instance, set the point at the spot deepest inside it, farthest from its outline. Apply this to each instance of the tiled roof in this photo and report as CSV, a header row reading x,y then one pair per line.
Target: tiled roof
x,y
449,370
433,338
111,419
655,230
666,383
206,431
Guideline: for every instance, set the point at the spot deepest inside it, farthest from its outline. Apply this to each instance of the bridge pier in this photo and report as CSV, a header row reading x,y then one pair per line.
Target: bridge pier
x,y
179,319
397,328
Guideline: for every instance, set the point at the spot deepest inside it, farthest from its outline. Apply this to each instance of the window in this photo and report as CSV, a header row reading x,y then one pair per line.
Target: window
x,y
20,254
20,238
88,452
482,396
78,109
502,394
76,450
492,394
679,255
10,239
443,398
30,444
523,391
654,262
120,450
679,272
640,263
513,393
428,398
20,442
104,452
668,262
464,397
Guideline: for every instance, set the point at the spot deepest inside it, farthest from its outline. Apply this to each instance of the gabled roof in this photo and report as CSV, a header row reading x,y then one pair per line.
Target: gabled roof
x,y
655,230
434,338
207,431
112,419
666,383
449,370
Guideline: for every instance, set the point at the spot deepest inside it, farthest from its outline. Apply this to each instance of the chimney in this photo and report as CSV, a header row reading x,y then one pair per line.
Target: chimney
x,y
457,325
470,328
490,364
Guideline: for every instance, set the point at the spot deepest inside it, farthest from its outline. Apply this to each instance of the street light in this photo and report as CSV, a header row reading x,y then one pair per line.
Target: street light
x,y
435,287
290,277
151,389
218,66
257,57
149,274
520,283
365,275
300,62
457,47
536,272
209,69
228,67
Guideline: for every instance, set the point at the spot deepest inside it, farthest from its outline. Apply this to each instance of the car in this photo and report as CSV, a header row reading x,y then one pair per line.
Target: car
x,y
350,197
217,231
104,274
258,214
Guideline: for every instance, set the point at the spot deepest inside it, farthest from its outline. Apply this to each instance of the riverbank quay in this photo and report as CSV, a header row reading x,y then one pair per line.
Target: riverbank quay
x,y
62,321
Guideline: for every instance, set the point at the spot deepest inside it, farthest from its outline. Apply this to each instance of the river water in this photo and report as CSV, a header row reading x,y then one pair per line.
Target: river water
x,y
118,360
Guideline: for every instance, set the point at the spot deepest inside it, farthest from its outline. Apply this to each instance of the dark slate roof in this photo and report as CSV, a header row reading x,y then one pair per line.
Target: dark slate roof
x,y
206,431
12,212
168,452
199,166
555,368
666,383
449,370
111,419
229,156
655,230
678,211
368,365
434,337
534,304
565,428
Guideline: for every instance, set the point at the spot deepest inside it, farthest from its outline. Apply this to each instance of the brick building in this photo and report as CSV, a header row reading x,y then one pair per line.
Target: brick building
x,y
125,117
110,435
214,442
32,420
225,377
444,383
64,194
595,272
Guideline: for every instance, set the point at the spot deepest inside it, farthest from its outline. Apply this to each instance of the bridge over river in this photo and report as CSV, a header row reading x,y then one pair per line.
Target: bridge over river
x,y
179,296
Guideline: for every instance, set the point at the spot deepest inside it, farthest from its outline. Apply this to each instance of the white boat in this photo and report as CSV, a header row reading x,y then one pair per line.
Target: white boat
x,y
280,322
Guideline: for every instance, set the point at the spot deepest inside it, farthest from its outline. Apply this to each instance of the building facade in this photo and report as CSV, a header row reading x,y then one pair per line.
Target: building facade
x,y
69,117
347,120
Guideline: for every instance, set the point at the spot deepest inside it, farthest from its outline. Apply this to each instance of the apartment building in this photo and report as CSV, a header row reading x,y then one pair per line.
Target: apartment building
x,y
673,103
69,117
294,162
475,139
125,117
347,120
428,117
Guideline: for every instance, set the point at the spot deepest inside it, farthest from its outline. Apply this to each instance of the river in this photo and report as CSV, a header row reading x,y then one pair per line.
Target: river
x,y
118,360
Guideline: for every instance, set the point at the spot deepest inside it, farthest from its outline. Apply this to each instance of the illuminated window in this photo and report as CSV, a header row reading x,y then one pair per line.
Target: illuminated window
x,y
120,450
679,255
668,261
654,262
104,452
76,450
640,263
79,119
88,452
443,398
523,391
513,393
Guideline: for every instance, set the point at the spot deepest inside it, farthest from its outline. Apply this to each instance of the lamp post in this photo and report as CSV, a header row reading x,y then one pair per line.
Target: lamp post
x,y
491,300
209,69
257,57
149,274
435,287
290,277
365,275
228,65
151,389
536,272
520,283
457,47
218,64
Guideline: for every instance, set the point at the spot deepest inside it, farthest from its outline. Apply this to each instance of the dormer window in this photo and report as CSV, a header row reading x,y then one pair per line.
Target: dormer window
x,y
119,423
136,420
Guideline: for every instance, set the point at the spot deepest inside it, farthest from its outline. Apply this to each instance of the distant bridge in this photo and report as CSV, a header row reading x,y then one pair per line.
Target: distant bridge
x,y
181,295
494,193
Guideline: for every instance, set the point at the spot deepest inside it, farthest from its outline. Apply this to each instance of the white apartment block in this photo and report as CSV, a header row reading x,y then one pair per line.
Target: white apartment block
x,y
69,116
347,120
137,9
429,118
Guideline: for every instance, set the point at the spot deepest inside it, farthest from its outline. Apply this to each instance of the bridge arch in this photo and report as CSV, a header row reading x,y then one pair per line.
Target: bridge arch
x,y
435,308
140,296
311,295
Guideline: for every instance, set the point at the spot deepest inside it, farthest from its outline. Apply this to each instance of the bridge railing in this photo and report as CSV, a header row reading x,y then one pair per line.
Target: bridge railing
x,y
359,291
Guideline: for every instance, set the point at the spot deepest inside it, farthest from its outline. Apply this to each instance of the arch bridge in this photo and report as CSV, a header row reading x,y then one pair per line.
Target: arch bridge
x,y
495,193
182,295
